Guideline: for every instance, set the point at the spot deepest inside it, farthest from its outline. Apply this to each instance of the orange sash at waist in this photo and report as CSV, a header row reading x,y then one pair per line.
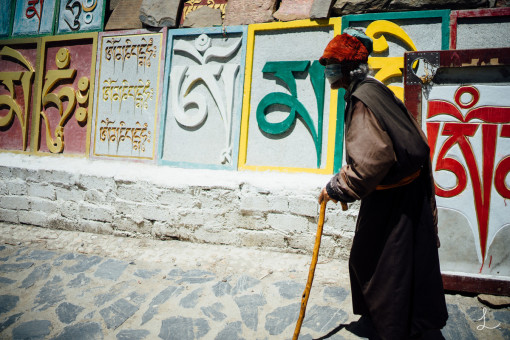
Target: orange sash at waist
x,y
402,182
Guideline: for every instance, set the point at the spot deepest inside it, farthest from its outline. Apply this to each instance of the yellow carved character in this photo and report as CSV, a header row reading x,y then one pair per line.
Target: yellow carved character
x,y
9,79
388,67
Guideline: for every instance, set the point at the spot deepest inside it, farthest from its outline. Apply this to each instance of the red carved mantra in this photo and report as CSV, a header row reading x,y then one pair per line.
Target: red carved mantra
x,y
458,135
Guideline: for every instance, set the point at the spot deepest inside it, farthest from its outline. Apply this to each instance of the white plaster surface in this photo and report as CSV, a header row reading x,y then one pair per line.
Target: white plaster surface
x,y
266,210
489,32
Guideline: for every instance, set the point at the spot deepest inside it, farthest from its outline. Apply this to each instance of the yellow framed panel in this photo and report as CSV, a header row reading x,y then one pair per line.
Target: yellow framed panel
x,y
301,53
19,60
64,96
135,78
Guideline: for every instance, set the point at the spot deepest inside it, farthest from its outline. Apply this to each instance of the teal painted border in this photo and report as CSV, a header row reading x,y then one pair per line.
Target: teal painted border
x,y
444,15
339,134
57,18
53,29
11,21
237,109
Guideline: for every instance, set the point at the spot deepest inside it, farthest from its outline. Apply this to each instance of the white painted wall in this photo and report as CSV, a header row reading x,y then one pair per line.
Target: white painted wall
x,y
267,210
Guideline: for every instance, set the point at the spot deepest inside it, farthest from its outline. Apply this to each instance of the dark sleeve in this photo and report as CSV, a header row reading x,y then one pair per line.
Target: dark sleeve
x,y
371,156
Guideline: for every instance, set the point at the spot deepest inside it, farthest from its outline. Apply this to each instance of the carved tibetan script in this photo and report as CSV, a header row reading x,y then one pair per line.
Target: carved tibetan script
x,y
80,15
202,95
17,76
33,17
65,95
468,129
388,67
127,101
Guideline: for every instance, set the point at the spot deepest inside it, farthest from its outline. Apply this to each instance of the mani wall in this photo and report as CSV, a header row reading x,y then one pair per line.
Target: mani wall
x,y
225,134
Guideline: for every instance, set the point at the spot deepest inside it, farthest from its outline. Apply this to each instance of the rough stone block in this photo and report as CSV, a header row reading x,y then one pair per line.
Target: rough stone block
x,y
126,208
203,17
16,187
342,7
5,172
254,203
129,225
70,194
242,12
103,184
320,9
69,210
60,223
178,198
278,203
43,205
42,190
160,13
293,10
33,218
255,220
94,196
54,177
136,193
14,202
154,212
112,4
125,16
196,217
287,223
261,239
93,212
90,226
304,206
8,215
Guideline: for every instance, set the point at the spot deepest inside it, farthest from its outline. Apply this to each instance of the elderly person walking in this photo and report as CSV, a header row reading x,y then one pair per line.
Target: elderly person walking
x,y
394,265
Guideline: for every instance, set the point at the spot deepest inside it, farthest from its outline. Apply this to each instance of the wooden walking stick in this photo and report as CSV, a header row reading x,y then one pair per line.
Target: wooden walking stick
x,y
315,257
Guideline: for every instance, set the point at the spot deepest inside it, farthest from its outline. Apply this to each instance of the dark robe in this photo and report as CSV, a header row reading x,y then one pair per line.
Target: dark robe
x,y
394,262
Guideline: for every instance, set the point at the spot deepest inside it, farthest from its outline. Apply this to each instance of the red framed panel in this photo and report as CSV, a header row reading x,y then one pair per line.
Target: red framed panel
x,y
61,120
461,100
475,13
18,68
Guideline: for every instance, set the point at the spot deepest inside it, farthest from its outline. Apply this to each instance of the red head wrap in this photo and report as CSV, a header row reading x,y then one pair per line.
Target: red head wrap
x,y
345,47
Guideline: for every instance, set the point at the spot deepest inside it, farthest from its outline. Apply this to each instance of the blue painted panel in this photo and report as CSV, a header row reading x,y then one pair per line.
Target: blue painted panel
x,y
34,17
200,55
6,7
80,16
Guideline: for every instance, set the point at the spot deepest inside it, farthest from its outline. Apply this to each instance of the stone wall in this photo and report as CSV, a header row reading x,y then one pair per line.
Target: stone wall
x,y
264,210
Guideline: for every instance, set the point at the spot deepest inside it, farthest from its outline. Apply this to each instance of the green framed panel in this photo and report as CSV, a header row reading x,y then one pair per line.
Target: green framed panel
x,y
78,16
7,7
395,33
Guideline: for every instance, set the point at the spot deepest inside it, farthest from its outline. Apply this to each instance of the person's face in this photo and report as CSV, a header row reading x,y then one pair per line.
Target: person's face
x,y
337,75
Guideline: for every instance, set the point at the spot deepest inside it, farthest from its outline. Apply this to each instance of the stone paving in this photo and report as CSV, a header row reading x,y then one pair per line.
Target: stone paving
x,y
72,285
